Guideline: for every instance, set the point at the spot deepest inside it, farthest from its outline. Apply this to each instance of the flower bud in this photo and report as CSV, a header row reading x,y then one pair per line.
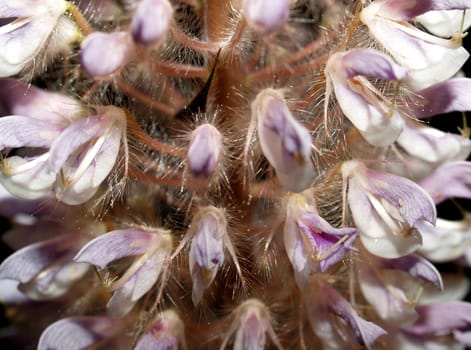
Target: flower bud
x,y
266,15
284,141
204,151
207,249
151,21
103,54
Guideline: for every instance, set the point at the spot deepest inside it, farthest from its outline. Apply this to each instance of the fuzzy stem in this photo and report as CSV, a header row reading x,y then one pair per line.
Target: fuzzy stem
x,y
79,18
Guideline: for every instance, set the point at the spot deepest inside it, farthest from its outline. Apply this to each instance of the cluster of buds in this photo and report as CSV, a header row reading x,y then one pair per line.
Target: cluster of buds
x,y
245,174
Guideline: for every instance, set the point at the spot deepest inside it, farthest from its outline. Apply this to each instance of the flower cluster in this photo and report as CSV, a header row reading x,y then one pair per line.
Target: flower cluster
x,y
246,174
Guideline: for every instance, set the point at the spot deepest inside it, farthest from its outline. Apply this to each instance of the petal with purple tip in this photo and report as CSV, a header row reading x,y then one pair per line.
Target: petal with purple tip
x,y
376,119
450,180
429,59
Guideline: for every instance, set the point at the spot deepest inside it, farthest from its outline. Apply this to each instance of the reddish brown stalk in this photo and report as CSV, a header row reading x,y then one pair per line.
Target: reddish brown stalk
x,y
146,99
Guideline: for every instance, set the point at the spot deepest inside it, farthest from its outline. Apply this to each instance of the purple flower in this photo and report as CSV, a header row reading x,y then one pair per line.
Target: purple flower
x,y
285,142
151,21
311,243
152,251
204,151
38,25
79,154
387,210
209,237
376,119
393,286
429,59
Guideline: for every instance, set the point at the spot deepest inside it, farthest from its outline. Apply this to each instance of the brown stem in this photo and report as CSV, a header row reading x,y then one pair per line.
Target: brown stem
x,y
172,69
79,18
146,99
156,145
192,43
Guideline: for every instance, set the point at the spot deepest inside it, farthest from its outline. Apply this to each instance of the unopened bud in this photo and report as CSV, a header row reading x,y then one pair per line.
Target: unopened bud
x,y
204,151
266,15
103,54
151,21
284,141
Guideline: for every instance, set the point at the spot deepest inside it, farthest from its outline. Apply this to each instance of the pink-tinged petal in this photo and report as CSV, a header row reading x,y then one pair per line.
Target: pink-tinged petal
x,y
94,53
76,333
447,241
29,261
405,9
29,101
150,341
416,266
204,151
439,319
444,23
433,145
429,59
445,97
114,245
266,15
450,180
375,118
166,333
151,21
28,179
18,131
284,141
386,209
329,307
391,293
